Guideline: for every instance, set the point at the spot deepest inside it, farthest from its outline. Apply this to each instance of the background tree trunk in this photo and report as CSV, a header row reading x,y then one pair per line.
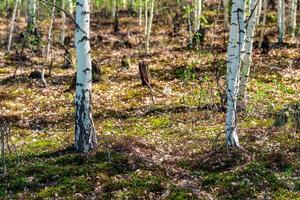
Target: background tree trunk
x,y
292,17
226,15
281,21
63,26
12,25
49,44
149,27
31,19
263,23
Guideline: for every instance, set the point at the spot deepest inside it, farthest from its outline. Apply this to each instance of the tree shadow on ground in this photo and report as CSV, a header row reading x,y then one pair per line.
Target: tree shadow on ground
x,y
147,111
64,172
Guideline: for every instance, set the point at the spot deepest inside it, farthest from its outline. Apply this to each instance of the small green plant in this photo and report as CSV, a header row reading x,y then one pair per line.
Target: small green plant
x,y
187,73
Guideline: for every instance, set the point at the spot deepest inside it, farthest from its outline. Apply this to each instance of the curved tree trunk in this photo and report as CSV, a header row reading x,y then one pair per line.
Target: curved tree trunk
x,y
234,54
85,134
49,44
247,60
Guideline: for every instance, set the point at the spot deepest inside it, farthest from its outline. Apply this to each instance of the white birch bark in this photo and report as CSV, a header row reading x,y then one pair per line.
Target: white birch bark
x,y
146,16
12,25
31,18
63,24
247,59
292,17
149,27
197,12
140,12
235,53
263,23
281,20
259,8
85,134
113,11
49,44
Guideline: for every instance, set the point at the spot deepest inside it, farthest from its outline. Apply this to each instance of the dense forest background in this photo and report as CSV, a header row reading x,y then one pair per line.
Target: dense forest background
x,y
163,120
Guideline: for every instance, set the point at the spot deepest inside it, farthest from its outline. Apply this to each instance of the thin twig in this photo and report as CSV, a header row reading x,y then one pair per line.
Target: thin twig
x,y
66,12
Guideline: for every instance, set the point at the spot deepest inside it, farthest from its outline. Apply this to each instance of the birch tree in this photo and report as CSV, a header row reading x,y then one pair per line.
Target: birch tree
x,y
113,8
63,24
258,10
292,17
281,20
49,43
31,18
85,134
12,25
235,52
140,12
197,13
146,16
149,26
247,60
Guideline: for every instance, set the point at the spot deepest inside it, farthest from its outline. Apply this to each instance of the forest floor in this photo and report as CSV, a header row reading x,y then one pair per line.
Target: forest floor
x,y
172,150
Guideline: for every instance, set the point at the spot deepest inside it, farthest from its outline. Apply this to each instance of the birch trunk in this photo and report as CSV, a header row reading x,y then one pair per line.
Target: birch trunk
x,y
259,7
247,60
49,44
113,11
12,25
63,25
263,23
140,12
235,52
85,134
281,21
149,27
146,16
31,20
197,12
292,17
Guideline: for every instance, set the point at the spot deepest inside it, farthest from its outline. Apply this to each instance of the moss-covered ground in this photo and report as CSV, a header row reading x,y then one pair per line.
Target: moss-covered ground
x,y
172,150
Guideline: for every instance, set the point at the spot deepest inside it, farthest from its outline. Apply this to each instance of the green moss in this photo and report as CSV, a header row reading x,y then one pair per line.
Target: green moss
x,y
19,183
159,122
283,194
2,192
180,194
43,145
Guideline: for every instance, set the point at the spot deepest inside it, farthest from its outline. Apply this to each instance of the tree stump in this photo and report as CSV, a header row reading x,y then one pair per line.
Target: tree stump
x,y
144,73
290,114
